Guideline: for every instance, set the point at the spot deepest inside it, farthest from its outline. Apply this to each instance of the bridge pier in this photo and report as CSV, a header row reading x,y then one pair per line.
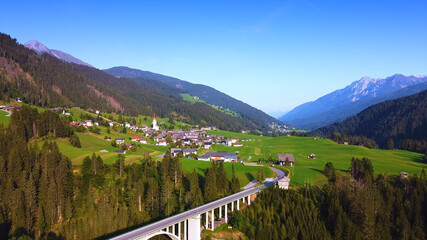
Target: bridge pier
x,y
238,200
194,228
220,212
185,229
226,209
249,199
213,220
232,206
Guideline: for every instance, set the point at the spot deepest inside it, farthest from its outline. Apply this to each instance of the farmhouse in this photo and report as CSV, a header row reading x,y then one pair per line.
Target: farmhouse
x,y
135,138
120,141
111,123
143,140
237,144
283,158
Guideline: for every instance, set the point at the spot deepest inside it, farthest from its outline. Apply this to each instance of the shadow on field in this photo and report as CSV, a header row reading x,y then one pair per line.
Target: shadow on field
x,y
316,170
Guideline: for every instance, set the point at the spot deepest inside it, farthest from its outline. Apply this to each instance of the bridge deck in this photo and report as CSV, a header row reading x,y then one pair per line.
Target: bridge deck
x,y
161,224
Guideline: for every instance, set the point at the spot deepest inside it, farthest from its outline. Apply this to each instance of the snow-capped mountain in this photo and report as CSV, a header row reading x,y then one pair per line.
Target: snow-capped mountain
x,y
352,99
39,48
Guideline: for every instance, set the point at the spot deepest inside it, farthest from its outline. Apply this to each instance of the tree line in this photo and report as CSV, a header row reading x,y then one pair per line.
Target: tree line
x,y
43,196
358,205
399,123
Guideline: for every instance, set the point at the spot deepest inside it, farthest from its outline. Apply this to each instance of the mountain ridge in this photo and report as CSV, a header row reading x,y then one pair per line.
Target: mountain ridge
x,y
206,93
357,96
40,48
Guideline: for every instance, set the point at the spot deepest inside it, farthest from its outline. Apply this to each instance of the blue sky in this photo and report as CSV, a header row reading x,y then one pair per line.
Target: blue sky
x,y
271,54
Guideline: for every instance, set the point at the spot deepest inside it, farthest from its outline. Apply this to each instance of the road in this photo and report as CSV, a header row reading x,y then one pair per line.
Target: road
x,y
154,227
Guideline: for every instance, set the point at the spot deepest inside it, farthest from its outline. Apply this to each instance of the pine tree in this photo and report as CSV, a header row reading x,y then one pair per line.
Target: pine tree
x,y
235,184
211,191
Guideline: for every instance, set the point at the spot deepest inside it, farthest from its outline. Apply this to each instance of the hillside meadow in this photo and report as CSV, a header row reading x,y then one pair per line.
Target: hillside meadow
x,y
390,162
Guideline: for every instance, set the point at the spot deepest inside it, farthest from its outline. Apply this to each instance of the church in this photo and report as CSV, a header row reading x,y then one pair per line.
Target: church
x,y
155,126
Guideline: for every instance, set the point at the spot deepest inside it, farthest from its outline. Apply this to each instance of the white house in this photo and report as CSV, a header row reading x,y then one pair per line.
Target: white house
x,y
283,183
162,142
88,123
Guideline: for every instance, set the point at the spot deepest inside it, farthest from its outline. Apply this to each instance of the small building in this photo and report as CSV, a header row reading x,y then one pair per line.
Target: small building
x,y
143,140
286,157
312,156
120,141
189,151
88,123
237,144
176,151
203,158
207,145
162,142
111,123
283,183
135,139
403,175
345,143
97,112
120,151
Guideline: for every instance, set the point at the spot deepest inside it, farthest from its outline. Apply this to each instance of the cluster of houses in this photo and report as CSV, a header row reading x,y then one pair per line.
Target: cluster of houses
x,y
10,108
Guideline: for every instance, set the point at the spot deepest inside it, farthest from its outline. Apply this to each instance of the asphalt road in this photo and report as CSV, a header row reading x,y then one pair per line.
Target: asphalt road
x,y
154,227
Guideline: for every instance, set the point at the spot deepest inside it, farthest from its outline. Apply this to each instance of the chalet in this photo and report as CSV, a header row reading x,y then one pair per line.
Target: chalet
x,y
3,108
286,157
207,145
133,127
223,142
127,124
18,99
237,144
120,141
244,140
143,140
312,156
345,143
189,151
204,158
10,108
120,151
97,112
233,140
96,123
135,139
162,142
283,183
111,123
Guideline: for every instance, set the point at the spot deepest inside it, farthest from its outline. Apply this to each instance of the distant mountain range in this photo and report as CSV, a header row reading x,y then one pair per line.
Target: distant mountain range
x,y
206,93
39,48
399,119
341,104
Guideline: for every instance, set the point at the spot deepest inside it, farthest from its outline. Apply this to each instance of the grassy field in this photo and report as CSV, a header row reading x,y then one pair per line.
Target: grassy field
x,y
3,119
187,97
244,173
385,161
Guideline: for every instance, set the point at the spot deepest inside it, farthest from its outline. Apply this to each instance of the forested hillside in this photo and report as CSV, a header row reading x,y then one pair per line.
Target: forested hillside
x,y
42,196
206,93
353,207
399,123
47,81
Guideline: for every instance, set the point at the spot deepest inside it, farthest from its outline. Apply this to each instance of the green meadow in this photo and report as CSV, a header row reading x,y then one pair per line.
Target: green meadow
x,y
4,119
244,173
390,162
187,97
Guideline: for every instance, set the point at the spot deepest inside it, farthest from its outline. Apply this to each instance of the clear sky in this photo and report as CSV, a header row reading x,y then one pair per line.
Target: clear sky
x,y
271,54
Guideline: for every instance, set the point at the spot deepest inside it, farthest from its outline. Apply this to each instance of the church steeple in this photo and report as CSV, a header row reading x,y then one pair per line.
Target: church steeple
x,y
155,127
